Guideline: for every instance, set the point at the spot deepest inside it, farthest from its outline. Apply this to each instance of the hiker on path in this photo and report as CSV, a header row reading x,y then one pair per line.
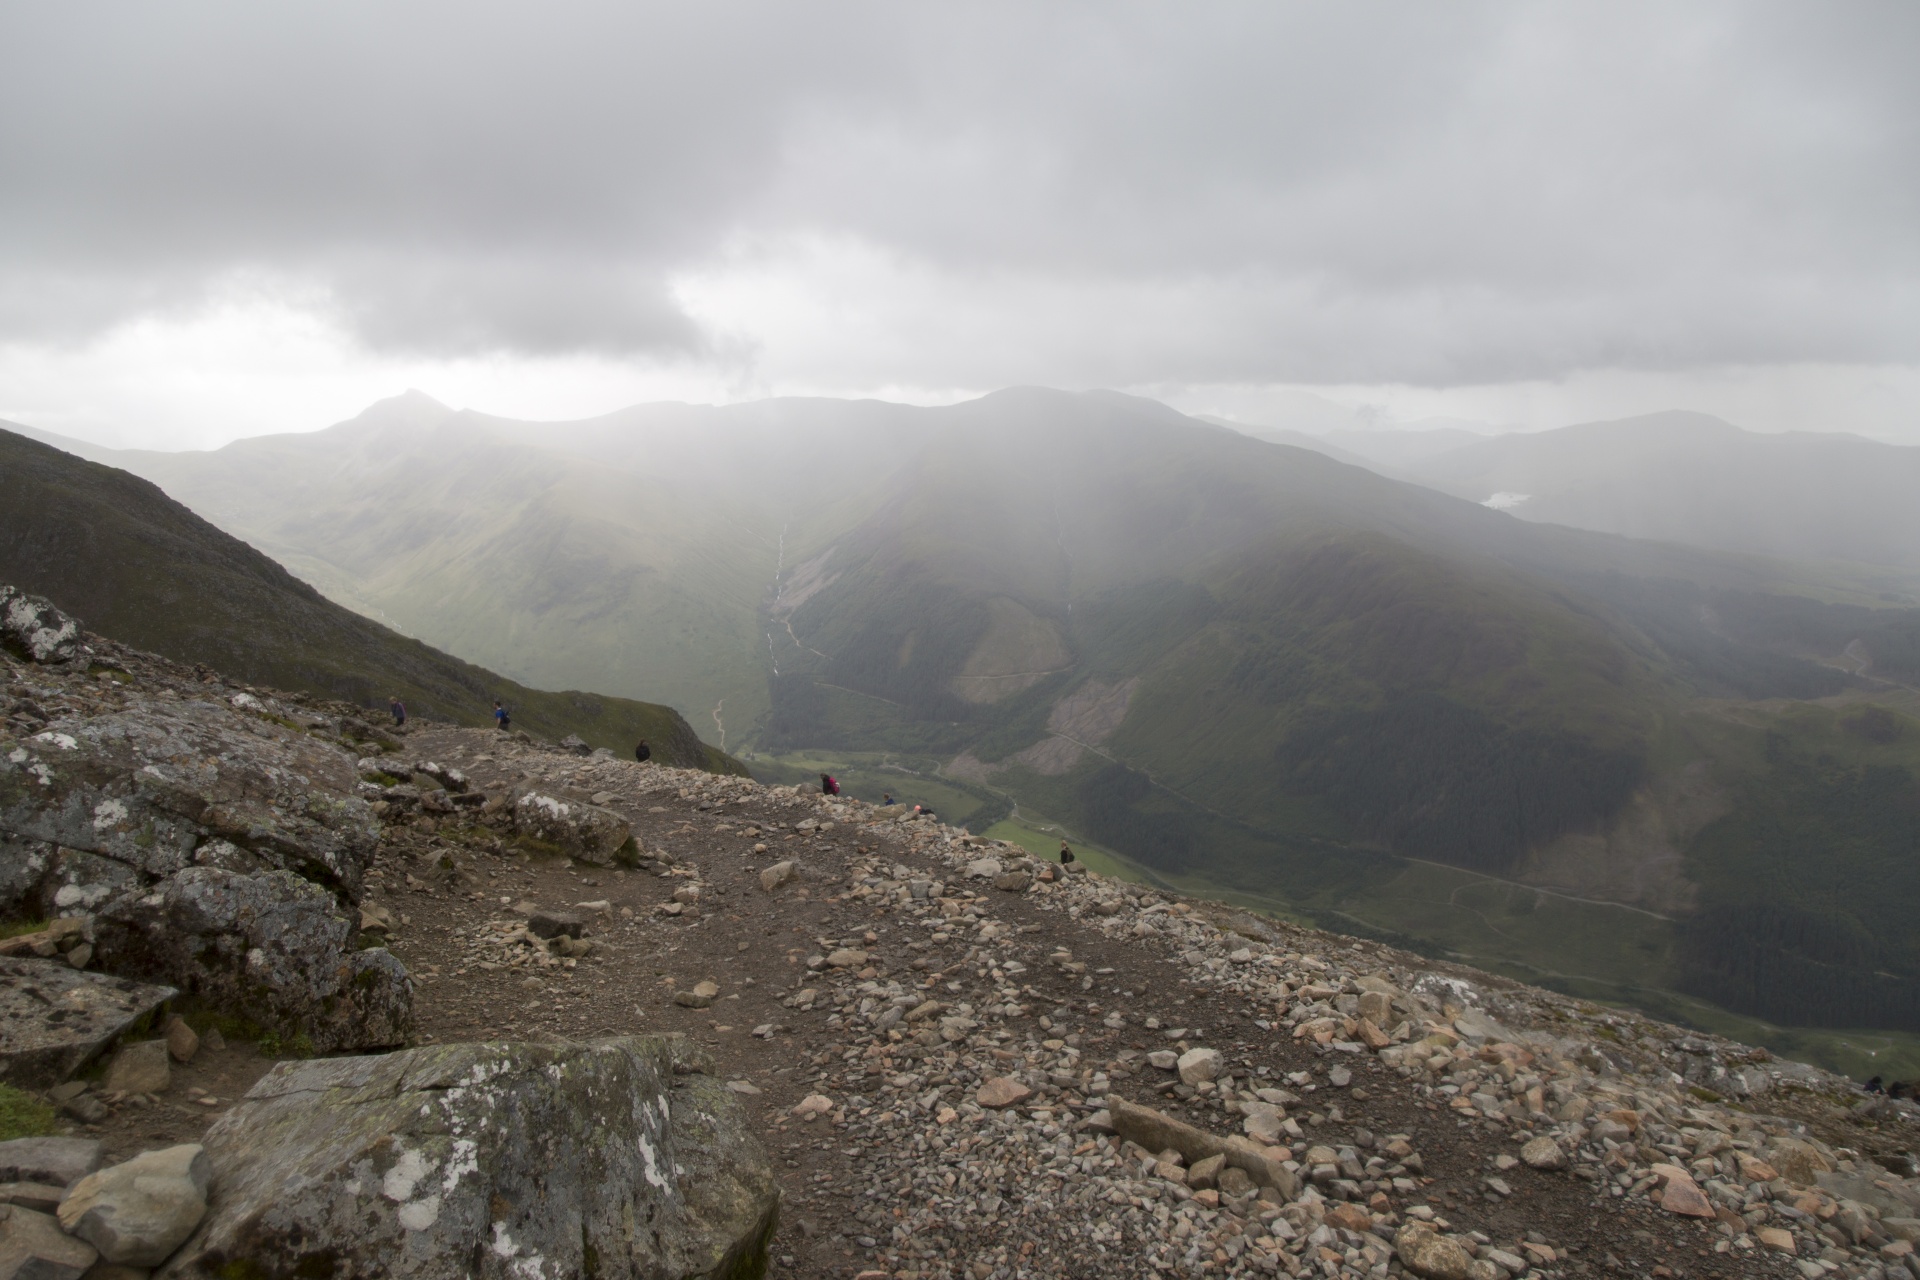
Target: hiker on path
x,y
828,787
399,710
643,752
500,716
1066,854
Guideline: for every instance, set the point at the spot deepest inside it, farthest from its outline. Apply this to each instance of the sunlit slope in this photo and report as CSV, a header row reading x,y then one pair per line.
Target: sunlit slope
x,y
136,565
630,553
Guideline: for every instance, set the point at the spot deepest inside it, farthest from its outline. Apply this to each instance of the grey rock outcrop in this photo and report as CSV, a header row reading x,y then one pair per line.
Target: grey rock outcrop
x,y
33,628
573,827
270,947
619,1158
54,1019
164,785
213,841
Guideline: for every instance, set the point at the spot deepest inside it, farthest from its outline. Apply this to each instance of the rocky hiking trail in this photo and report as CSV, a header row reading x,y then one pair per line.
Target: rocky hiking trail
x,y
963,1062
930,1035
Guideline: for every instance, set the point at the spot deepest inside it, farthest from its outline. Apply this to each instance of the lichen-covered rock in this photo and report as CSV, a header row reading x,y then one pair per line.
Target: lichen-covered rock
x,y
1425,1252
218,846
151,787
33,628
619,1158
580,830
269,947
54,1019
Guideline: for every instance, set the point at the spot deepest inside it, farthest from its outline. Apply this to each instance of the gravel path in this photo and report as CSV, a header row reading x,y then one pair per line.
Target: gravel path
x,y
929,1028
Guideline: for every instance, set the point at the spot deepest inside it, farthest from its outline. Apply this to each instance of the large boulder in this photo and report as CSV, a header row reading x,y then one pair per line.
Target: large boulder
x,y
54,1019
35,629
138,1212
579,830
619,1158
268,947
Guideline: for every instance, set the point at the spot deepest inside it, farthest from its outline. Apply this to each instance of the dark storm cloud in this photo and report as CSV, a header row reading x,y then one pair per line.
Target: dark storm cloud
x,y
1306,192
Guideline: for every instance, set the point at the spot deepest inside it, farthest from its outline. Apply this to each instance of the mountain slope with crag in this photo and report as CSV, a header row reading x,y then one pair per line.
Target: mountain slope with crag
x,y
140,567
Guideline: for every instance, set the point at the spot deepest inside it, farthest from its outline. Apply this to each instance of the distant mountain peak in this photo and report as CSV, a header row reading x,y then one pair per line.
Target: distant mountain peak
x,y
411,408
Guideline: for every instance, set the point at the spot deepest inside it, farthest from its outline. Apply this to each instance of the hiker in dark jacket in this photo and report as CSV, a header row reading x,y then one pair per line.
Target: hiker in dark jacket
x,y
643,752
828,787
399,710
1066,854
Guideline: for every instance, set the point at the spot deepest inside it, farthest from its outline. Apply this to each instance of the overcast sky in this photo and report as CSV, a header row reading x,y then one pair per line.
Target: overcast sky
x,y
221,219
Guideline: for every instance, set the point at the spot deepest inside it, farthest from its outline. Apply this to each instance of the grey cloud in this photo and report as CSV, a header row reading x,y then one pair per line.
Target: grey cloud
x,y
1140,192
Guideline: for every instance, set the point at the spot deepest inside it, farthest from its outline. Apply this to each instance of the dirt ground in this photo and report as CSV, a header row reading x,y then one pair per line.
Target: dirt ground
x,y
454,887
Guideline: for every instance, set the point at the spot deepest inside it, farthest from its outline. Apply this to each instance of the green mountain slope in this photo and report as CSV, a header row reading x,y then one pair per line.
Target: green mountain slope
x,y
136,565
1251,664
1245,666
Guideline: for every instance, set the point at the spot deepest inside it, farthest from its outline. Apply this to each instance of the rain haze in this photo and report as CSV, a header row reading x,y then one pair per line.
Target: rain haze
x,y
221,220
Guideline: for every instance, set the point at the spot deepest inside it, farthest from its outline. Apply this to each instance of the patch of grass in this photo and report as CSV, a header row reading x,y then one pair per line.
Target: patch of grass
x,y
22,1115
14,928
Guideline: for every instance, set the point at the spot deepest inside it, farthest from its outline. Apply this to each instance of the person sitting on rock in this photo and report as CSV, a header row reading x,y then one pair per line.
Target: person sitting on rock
x,y
1066,854
828,786
643,752
399,710
500,716
886,798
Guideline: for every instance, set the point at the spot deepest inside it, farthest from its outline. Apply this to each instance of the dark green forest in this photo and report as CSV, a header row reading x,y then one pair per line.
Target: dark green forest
x,y
1807,889
1430,778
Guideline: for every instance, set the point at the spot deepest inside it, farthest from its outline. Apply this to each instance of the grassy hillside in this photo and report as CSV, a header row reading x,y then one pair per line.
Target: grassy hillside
x,y
133,564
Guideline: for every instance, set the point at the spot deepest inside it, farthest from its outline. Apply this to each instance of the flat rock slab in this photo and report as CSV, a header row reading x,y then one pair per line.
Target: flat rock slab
x,y
619,1158
56,1160
33,1245
1157,1131
55,1019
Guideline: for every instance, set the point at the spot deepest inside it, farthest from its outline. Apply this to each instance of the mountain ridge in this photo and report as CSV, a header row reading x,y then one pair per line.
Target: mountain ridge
x,y
1218,656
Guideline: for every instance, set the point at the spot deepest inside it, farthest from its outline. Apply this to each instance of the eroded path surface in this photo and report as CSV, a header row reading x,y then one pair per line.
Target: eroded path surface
x,y
928,1033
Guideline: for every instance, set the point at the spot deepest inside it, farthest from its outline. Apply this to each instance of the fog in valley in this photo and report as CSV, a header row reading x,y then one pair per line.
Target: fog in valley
x,y
1445,475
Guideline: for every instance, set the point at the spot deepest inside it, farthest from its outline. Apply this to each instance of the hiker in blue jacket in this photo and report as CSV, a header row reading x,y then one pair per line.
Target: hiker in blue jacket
x,y
500,716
